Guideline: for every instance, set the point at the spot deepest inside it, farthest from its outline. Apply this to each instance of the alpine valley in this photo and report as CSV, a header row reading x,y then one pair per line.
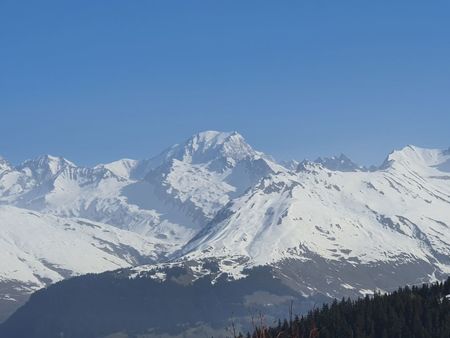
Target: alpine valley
x,y
212,232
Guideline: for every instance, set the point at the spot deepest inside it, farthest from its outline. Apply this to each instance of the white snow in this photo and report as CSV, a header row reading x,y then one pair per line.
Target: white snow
x,y
400,212
215,196
37,248
123,167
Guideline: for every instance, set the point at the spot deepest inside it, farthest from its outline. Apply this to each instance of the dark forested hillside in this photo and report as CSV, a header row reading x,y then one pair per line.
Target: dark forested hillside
x,y
114,305
102,305
419,312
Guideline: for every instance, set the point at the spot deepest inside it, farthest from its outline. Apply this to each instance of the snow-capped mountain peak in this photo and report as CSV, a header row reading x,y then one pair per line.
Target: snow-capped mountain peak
x,y
213,146
309,166
123,167
45,166
216,150
417,158
215,197
348,217
339,163
4,165
201,175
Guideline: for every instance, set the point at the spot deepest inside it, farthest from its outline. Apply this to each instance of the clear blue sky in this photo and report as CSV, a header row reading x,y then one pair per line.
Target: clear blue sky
x,y
100,80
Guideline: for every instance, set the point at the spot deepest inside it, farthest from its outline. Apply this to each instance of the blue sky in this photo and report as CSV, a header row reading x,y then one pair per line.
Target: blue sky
x,y
100,80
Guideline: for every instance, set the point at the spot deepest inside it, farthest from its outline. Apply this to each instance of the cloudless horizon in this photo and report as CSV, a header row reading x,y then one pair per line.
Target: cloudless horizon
x,y
99,81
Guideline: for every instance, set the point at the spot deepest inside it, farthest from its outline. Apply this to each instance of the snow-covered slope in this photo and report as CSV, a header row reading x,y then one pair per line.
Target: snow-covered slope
x,y
170,196
124,168
38,249
327,226
205,172
57,186
167,199
398,215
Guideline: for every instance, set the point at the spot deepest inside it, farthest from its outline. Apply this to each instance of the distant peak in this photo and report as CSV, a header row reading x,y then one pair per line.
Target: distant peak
x,y
218,150
339,163
309,166
124,167
4,164
414,155
211,145
291,164
45,165
214,138
53,160
409,151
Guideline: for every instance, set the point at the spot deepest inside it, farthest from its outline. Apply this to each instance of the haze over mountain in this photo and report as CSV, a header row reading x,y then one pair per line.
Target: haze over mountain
x,y
327,227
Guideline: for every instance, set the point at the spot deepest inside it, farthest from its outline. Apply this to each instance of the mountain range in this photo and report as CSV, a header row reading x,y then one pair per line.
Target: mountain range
x,y
220,210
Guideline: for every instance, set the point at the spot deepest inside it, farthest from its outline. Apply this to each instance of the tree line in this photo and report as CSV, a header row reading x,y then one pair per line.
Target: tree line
x,y
410,312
